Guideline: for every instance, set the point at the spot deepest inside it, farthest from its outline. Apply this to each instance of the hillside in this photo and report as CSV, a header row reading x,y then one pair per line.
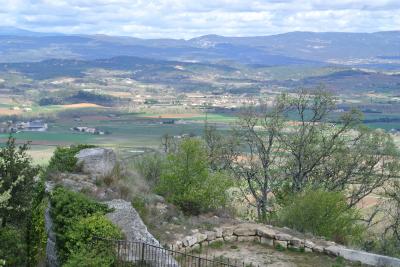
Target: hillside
x,y
294,48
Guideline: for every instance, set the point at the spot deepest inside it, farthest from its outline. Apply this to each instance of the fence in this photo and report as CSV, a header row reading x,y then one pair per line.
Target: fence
x,y
129,254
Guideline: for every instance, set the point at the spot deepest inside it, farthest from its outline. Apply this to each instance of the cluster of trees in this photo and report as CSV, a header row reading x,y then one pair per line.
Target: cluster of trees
x,y
284,156
22,205
281,153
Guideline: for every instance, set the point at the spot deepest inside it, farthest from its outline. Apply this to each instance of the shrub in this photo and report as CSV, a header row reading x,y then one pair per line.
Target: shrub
x,y
322,213
13,246
188,182
63,159
80,238
149,167
68,208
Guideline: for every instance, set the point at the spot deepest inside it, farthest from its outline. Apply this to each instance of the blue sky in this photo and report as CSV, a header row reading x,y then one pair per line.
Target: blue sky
x,y
187,18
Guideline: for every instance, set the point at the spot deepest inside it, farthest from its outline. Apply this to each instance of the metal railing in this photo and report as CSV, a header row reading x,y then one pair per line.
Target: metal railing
x,y
134,254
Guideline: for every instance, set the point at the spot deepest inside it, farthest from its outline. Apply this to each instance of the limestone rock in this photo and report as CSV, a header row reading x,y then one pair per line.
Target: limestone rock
x,y
227,231
189,241
266,232
211,235
245,230
231,238
267,241
296,242
97,162
218,232
201,237
126,217
283,237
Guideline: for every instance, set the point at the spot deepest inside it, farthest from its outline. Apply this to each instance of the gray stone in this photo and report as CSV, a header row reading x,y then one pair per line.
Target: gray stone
x,y
201,237
231,238
308,250
266,232
126,217
51,250
309,244
227,231
244,230
318,249
245,238
267,241
97,162
218,232
296,242
189,241
363,257
211,235
283,237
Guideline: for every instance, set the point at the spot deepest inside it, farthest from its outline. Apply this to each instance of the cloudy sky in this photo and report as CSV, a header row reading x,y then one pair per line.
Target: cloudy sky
x,y
191,18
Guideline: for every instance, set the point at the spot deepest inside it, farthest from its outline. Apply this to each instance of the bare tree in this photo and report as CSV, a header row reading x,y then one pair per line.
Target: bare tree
x,y
297,143
254,155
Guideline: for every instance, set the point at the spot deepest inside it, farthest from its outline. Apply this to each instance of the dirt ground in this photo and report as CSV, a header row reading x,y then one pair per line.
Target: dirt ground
x,y
254,254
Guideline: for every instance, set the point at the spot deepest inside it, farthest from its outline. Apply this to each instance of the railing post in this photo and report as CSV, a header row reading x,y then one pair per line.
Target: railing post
x,y
199,264
142,257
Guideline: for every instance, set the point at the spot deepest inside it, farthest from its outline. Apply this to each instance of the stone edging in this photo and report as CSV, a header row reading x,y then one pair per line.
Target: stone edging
x,y
272,236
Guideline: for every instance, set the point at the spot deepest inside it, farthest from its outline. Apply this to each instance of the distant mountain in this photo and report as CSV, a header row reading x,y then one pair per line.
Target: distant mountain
x,y
13,31
294,48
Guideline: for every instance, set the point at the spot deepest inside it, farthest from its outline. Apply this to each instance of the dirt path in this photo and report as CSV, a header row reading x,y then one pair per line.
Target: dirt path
x,y
262,255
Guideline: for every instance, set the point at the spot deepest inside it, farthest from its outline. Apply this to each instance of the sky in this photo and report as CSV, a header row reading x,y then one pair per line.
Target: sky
x,y
191,18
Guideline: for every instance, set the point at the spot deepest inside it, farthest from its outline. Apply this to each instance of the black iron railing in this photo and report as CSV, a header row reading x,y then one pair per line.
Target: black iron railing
x,y
130,253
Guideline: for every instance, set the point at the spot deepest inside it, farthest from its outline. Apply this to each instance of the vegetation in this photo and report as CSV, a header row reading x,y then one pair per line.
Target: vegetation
x,y
78,221
22,233
189,183
322,213
64,160
273,158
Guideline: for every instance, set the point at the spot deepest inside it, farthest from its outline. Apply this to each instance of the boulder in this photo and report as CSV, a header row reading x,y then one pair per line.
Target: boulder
x,y
283,237
267,241
201,237
266,232
211,235
189,241
227,231
99,163
231,238
245,230
218,232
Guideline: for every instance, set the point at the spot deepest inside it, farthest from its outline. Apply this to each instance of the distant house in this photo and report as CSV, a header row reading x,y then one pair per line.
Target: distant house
x,y
90,130
35,126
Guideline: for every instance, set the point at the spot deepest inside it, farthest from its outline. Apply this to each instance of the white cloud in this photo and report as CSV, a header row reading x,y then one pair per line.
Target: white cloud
x,y
186,18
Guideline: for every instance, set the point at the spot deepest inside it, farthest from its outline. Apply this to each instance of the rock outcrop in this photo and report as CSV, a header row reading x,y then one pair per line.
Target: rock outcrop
x,y
129,221
98,163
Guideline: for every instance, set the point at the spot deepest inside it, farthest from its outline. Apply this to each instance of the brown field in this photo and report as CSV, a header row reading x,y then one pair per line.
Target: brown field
x,y
175,116
120,94
7,112
82,105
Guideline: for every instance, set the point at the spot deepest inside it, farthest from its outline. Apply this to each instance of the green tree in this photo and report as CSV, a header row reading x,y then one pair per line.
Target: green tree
x,y
17,183
188,182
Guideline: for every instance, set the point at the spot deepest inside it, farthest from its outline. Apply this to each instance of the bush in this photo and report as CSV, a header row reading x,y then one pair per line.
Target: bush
x,y
322,213
188,183
72,212
63,159
150,167
13,246
80,241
